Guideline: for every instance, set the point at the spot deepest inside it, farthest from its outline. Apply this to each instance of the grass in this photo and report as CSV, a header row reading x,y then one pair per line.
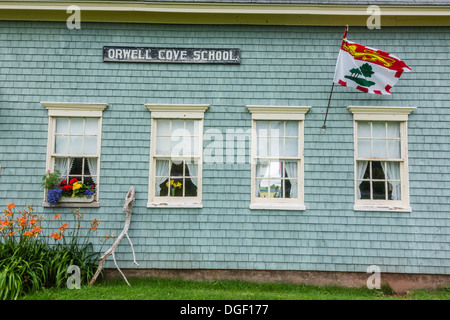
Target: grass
x,y
180,289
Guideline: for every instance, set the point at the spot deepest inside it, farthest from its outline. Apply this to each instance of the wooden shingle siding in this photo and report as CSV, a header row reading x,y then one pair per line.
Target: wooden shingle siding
x,y
44,61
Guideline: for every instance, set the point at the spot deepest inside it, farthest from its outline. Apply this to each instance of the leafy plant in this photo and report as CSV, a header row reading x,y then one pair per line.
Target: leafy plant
x,y
28,262
51,179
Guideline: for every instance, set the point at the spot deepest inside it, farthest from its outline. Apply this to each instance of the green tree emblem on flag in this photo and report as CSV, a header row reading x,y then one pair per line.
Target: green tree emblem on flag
x,y
366,71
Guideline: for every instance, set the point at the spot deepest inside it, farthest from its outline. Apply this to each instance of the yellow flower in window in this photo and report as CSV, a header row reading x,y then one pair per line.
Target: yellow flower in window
x,y
77,186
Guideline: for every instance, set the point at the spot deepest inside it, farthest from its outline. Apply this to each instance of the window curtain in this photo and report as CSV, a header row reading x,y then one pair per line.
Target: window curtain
x,y
62,165
361,167
161,173
92,163
291,170
393,173
261,169
193,171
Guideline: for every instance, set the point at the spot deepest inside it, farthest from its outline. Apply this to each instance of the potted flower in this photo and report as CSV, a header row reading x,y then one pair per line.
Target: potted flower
x,y
173,186
58,190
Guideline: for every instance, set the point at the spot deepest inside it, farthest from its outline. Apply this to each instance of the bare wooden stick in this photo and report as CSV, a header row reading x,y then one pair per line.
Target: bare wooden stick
x,y
127,208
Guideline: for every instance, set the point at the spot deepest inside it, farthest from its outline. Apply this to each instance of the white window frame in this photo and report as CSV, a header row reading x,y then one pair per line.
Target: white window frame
x,y
175,111
283,113
384,114
72,110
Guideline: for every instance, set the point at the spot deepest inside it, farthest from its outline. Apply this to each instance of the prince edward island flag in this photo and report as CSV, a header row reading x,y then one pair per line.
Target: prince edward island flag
x,y
367,69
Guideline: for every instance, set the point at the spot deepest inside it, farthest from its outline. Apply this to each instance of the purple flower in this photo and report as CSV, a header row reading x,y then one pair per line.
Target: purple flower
x,y
53,196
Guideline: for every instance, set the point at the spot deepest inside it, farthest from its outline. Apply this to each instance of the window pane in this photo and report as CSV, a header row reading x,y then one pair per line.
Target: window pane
x,y
275,188
276,128
276,147
377,170
364,129
394,149
394,190
178,127
162,168
61,144
90,145
176,146
379,149
379,129
291,128
76,167
379,190
366,169
393,170
191,170
291,147
275,169
291,169
75,144
176,169
161,189
364,188
363,148
195,143
76,125
393,130
192,127
163,127
262,169
62,125
91,126
262,149
262,128
262,190
163,145
190,189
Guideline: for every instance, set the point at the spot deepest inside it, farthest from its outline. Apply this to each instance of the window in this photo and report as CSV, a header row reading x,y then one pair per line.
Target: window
x,y
277,157
176,155
74,148
381,158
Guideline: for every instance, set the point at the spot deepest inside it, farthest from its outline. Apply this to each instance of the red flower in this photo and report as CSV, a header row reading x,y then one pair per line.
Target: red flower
x,y
73,180
64,182
67,187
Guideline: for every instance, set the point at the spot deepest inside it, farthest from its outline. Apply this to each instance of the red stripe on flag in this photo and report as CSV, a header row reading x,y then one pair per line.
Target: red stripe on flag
x,y
398,73
342,83
377,91
387,88
362,89
383,52
379,57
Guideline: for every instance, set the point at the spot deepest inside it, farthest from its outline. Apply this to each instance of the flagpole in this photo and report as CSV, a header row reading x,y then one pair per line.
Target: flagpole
x,y
326,114
324,127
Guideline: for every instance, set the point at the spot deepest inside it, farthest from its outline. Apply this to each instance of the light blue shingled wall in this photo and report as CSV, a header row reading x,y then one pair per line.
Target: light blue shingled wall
x,y
42,61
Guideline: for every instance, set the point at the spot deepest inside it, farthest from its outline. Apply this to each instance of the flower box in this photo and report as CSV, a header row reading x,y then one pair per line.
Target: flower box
x,y
59,191
76,199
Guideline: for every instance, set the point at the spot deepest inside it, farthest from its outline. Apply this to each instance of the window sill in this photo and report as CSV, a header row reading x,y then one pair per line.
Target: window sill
x,y
72,205
174,205
277,206
385,208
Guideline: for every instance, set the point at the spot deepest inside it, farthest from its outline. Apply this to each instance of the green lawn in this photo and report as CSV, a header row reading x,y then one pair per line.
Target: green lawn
x,y
179,289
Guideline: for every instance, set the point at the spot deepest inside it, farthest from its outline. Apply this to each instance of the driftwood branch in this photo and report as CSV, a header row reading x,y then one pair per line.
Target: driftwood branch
x,y
127,208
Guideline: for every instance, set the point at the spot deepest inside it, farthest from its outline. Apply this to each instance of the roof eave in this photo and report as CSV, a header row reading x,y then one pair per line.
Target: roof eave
x,y
231,13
